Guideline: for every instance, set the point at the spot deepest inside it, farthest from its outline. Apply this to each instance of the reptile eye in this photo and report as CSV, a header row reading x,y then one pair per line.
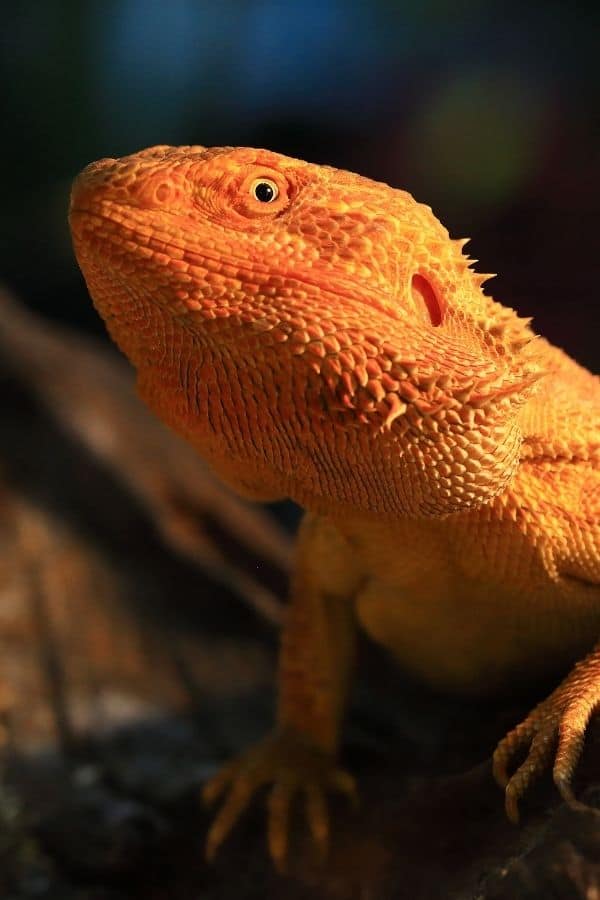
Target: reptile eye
x,y
264,190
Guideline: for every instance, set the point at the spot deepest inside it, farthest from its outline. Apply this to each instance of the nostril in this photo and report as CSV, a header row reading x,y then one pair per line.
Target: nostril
x,y
162,192
423,291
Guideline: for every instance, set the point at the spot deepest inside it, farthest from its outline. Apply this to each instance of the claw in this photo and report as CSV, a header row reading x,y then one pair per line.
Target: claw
x,y
511,803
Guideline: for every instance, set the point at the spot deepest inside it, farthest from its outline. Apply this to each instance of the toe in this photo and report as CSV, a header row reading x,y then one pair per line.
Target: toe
x,y
511,746
500,762
237,800
216,785
280,799
318,818
539,754
344,783
512,796
570,744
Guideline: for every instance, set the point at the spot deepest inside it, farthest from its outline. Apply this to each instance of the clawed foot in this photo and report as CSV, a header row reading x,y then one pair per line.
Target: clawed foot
x,y
293,767
554,728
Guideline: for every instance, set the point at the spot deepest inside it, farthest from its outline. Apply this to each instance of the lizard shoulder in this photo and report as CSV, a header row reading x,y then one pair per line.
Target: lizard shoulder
x,y
562,419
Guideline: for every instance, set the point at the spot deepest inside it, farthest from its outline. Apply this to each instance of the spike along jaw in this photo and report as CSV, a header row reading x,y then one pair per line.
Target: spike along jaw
x,y
422,402
313,333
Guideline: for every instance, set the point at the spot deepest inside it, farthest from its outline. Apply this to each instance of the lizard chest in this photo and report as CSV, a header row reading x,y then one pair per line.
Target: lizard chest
x,y
463,612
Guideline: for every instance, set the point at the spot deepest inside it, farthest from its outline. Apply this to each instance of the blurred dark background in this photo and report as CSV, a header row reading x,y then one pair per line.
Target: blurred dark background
x,y
488,112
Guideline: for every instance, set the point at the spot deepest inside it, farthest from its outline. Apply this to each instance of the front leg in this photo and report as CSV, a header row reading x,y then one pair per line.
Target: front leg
x,y
316,657
554,732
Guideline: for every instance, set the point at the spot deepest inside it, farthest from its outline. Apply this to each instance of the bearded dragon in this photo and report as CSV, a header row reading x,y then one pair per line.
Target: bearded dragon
x,y
319,336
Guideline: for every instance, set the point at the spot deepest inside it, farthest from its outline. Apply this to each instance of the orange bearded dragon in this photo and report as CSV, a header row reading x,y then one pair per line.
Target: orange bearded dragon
x,y
317,335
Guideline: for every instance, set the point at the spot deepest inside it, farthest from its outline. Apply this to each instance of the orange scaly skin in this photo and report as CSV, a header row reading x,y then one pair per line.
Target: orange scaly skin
x,y
317,335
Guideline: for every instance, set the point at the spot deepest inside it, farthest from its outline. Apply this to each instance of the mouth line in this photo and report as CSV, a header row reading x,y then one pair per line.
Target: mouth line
x,y
334,286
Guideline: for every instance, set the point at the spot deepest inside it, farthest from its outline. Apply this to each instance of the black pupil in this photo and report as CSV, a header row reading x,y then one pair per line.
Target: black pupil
x,y
264,192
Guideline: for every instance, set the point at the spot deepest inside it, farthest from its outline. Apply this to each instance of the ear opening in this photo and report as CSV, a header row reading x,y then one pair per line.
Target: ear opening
x,y
423,291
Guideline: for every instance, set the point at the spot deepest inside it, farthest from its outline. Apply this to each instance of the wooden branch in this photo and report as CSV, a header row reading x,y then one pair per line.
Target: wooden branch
x,y
115,539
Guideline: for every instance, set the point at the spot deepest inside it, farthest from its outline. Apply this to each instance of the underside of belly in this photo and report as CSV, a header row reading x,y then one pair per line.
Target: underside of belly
x,y
479,641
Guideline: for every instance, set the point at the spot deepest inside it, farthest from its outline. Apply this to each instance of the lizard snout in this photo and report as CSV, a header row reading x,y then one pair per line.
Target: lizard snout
x,y
90,183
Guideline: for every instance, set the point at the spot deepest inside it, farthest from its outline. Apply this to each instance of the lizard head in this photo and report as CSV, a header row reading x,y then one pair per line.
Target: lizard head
x,y
314,333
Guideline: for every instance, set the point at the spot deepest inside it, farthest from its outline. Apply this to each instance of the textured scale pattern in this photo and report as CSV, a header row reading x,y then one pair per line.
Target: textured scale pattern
x,y
331,343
